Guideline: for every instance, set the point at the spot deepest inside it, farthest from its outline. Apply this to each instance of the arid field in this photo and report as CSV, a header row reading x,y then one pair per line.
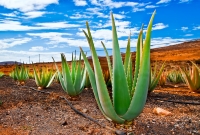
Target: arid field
x,y
24,111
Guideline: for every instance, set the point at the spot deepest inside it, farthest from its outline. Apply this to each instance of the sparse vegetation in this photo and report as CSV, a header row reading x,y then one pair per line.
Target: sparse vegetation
x,y
1,74
43,77
192,78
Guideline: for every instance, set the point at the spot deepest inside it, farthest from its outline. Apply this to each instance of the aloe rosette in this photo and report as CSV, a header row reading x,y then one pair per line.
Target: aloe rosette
x,y
20,74
43,77
128,94
192,78
72,81
175,77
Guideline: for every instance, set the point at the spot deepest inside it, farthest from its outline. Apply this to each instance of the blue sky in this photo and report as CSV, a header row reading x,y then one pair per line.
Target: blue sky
x,y
50,27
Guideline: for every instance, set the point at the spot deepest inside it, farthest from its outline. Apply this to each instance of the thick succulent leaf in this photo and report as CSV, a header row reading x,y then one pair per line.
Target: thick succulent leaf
x,y
127,56
196,77
155,80
188,80
196,66
101,88
91,74
51,80
137,59
37,79
108,61
84,79
67,77
73,67
197,82
129,75
62,82
121,97
139,98
78,78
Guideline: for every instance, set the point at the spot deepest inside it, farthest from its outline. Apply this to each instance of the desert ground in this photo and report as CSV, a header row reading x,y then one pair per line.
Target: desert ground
x,y
25,111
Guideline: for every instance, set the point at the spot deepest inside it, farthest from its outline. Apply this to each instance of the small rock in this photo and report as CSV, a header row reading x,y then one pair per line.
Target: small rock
x,y
84,110
64,123
160,111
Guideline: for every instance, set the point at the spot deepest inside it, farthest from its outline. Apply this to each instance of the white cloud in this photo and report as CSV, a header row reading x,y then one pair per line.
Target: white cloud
x,y
34,14
56,38
7,25
151,6
48,34
119,16
166,41
106,34
56,25
80,2
138,9
159,26
183,1
79,16
163,1
112,4
10,42
96,11
47,56
188,35
94,2
118,23
13,14
196,28
37,48
23,56
27,5
184,28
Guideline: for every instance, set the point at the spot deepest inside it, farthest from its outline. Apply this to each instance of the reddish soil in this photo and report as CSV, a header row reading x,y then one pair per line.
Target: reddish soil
x,y
27,112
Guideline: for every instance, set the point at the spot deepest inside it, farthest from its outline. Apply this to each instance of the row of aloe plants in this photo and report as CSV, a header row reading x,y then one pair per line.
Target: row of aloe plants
x,y
129,92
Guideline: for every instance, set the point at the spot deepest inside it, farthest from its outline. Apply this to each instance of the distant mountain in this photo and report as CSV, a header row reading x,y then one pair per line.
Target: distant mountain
x,y
9,63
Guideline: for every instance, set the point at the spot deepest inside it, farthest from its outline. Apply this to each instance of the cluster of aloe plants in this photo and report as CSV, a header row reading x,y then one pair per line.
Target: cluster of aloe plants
x,y
43,77
129,94
192,78
20,74
129,89
175,77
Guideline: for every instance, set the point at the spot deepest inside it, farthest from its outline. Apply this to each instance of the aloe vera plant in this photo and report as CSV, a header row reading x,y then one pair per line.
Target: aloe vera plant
x,y
175,77
43,77
154,77
162,79
193,78
13,75
129,94
72,81
20,74
1,74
